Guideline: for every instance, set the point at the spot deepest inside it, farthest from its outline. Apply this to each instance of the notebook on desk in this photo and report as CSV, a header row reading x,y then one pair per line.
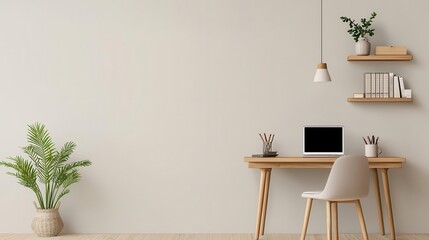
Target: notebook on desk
x,y
323,140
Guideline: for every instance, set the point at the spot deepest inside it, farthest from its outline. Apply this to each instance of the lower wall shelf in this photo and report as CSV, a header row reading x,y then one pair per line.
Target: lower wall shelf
x,y
379,99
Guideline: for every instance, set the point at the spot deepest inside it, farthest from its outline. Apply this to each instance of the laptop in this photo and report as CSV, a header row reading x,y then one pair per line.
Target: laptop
x,y
323,140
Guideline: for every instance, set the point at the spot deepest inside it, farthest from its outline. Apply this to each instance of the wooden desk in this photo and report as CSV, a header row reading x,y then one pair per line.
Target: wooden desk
x,y
266,164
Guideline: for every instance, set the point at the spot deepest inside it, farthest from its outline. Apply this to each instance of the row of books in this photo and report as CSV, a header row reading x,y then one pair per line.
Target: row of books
x,y
384,85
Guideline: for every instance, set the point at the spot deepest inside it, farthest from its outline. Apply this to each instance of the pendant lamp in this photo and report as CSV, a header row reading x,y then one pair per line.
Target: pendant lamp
x,y
322,74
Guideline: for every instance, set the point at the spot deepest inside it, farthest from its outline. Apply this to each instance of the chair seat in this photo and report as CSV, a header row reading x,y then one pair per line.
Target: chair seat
x,y
312,194
320,196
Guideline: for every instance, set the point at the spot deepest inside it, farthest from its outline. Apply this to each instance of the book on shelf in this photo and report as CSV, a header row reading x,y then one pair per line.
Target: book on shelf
x,y
383,85
391,85
401,86
373,85
367,85
396,91
377,85
358,95
408,93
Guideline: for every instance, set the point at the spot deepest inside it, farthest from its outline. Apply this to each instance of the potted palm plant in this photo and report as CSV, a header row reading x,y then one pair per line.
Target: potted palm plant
x,y
48,174
359,32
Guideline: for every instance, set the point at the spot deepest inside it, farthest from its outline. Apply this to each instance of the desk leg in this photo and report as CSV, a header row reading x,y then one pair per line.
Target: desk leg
x,y
378,199
388,202
261,201
264,207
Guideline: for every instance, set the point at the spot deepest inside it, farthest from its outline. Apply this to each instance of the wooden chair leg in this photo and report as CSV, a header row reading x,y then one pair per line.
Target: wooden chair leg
x,y
328,220
335,219
361,219
306,218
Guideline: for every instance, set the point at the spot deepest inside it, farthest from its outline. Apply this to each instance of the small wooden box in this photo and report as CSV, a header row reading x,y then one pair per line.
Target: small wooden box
x,y
390,50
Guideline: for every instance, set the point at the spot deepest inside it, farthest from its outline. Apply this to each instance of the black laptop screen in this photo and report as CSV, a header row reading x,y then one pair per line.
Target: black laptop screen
x,y
323,139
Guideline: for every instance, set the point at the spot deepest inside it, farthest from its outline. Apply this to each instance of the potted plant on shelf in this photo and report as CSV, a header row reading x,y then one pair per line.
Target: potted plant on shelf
x,y
48,174
359,31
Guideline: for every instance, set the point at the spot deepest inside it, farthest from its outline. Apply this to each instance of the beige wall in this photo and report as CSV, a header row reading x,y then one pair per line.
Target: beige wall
x,y
167,97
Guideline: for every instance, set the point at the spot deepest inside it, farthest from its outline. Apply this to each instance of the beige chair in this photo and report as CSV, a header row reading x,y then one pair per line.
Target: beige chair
x,y
347,182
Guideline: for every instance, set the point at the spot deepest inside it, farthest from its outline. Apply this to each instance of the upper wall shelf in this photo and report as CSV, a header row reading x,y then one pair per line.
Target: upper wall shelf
x,y
380,58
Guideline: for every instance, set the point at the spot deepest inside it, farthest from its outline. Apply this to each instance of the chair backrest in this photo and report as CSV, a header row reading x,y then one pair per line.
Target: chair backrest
x,y
348,179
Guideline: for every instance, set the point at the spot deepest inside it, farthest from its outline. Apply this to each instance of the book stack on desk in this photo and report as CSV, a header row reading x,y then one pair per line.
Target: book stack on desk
x,y
267,154
383,85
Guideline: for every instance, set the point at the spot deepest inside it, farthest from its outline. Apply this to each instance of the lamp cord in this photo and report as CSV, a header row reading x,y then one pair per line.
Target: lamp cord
x,y
321,31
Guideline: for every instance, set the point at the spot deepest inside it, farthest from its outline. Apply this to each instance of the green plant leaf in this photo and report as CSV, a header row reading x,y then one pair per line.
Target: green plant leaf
x,y
361,29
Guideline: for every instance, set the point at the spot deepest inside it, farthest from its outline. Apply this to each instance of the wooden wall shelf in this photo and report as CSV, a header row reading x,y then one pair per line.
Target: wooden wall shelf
x,y
380,58
379,99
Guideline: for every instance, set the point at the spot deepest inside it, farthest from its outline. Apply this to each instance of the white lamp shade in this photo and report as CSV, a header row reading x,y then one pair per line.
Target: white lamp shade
x,y
322,74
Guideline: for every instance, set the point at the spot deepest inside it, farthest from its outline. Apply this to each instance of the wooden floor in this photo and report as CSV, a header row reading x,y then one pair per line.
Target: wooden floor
x,y
5,236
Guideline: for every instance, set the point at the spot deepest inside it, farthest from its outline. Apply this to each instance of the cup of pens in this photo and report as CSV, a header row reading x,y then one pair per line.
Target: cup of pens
x,y
371,147
267,145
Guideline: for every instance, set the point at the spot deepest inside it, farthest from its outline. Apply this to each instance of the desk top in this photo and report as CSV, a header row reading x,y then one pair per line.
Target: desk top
x,y
317,162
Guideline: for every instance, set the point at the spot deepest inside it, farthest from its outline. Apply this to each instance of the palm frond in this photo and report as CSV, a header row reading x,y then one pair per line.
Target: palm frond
x,y
64,171
26,174
35,156
72,177
24,171
66,151
39,137
42,146
73,165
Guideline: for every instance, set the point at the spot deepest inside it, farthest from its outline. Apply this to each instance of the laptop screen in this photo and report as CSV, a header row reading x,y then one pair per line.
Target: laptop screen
x,y
323,140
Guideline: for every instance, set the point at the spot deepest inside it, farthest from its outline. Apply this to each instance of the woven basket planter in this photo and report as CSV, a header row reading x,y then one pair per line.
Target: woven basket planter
x,y
47,222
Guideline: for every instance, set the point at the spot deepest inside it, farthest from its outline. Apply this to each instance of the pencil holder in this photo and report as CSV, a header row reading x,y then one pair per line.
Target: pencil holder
x,y
372,150
267,147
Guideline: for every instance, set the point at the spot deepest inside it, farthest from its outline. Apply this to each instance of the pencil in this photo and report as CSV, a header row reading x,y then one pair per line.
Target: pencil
x,y
364,140
260,135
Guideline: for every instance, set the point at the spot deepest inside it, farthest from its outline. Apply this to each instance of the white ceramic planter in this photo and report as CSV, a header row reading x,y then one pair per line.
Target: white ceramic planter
x,y
47,222
363,47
